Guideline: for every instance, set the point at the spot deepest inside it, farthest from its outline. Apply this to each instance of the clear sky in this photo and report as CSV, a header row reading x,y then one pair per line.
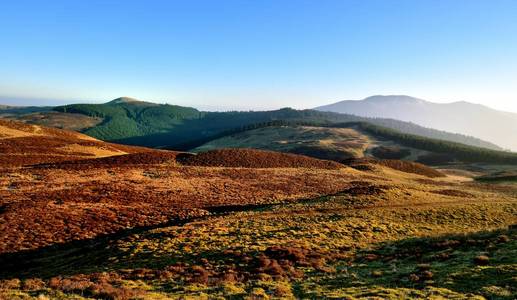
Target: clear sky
x,y
258,54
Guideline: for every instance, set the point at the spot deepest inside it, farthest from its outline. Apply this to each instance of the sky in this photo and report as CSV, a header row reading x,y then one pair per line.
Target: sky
x,y
265,54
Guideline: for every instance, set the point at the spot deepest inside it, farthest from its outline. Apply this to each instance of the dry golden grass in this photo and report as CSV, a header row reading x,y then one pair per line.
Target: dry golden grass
x,y
23,144
95,151
144,226
304,245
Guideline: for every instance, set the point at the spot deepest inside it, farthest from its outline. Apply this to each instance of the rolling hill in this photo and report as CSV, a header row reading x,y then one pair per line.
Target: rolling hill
x,y
24,144
243,223
130,121
352,140
462,117
337,144
13,111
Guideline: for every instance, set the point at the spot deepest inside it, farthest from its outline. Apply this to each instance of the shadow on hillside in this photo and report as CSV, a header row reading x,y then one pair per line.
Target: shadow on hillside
x,y
481,263
190,133
97,255
71,257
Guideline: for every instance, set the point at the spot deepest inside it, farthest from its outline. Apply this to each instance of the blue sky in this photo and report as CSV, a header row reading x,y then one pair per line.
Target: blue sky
x,y
258,54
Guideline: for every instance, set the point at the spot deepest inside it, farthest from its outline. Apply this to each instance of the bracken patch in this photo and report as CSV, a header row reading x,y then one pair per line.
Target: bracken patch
x,y
251,158
411,167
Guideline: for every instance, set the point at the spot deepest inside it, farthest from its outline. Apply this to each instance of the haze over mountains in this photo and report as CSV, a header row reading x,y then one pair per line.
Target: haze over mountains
x,y
461,117
131,121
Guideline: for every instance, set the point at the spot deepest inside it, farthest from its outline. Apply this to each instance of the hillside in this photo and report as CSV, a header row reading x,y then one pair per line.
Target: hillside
x,y
68,121
14,111
461,117
23,144
130,121
253,158
336,144
124,118
344,141
245,223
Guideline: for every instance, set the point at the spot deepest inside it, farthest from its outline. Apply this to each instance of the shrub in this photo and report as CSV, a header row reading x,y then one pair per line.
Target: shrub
x,y
33,284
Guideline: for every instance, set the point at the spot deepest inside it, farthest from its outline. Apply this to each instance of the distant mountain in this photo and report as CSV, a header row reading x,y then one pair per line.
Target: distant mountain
x,y
462,117
130,121
7,110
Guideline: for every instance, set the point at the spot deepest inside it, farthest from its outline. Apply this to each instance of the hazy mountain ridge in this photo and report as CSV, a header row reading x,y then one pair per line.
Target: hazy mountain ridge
x,y
463,117
8,110
131,121
162,125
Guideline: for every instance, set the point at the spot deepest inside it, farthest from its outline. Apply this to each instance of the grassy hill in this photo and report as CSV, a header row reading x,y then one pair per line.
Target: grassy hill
x,y
25,144
129,121
124,119
452,149
355,140
160,230
328,143
69,121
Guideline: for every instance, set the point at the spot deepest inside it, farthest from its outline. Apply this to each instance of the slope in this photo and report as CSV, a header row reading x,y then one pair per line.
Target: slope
x,y
24,144
13,111
337,144
130,121
163,231
342,141
462,117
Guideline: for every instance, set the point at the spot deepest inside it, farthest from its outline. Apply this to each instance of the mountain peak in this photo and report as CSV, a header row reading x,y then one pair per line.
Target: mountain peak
x,y
460,117
124,99
393,98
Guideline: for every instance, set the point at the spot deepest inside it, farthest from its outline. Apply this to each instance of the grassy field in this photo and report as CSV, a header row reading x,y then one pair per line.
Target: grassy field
x,y
329,143
337,144
381,234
